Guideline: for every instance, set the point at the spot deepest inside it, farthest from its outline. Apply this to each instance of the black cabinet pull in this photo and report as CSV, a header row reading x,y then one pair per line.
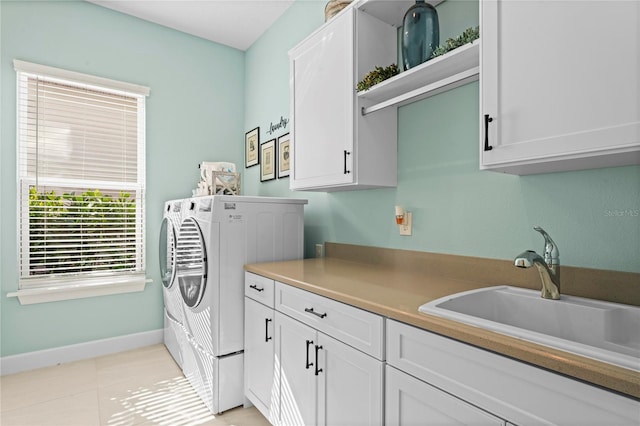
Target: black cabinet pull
x,y
266,329
318,370
256,288
487,120
308,364
311,311
346,153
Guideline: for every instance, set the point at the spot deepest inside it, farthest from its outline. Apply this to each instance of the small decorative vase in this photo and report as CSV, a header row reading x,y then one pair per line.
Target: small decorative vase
x,y
420,34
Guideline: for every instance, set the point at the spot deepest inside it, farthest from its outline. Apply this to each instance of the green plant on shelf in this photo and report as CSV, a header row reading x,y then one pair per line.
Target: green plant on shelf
x,y
376,76
379,74
468,36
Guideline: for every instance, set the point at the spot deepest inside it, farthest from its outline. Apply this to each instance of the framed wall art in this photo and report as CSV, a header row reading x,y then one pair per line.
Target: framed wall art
x,y
284,156
268,163
251,147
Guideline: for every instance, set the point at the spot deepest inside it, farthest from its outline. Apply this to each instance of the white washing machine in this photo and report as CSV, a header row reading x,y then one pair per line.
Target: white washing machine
x,y
218,236
174,335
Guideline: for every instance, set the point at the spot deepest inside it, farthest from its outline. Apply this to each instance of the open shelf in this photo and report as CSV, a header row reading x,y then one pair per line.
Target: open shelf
x,y
451,70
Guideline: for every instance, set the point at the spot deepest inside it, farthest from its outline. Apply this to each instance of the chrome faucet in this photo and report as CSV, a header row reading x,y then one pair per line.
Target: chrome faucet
x,y
548,267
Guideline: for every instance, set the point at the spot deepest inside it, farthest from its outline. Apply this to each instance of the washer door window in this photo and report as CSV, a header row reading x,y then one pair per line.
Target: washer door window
x,y
191,263
168,242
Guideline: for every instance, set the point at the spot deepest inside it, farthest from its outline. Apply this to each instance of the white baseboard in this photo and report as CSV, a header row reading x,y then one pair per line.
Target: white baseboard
x,y
48,357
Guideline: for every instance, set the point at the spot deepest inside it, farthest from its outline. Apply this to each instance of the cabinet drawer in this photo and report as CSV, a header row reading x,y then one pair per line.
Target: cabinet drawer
x,y
259,288
355,327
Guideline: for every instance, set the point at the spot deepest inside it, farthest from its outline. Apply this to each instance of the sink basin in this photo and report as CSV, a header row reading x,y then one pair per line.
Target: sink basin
x,y
605,331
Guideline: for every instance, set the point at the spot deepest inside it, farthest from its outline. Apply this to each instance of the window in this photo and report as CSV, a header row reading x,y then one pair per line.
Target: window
x,y
81,179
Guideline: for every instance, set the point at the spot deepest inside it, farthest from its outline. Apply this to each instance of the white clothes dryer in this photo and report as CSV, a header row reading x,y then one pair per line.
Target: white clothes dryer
x,y
218,236
173,308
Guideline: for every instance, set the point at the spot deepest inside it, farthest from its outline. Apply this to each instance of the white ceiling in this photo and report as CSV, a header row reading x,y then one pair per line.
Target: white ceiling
x,y
235,23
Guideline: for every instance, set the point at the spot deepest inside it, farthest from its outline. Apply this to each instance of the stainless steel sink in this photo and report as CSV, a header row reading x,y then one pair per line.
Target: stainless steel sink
x,y
605,331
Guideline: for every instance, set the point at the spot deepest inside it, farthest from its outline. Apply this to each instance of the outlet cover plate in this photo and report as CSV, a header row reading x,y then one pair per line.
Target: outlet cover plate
x,y
405,228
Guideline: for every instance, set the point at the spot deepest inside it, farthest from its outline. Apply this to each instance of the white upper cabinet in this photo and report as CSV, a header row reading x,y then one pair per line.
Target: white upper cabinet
x,y
334,146
322,107
559,85
342,139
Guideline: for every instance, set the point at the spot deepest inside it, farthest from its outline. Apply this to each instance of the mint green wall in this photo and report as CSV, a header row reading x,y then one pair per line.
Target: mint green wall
x,y
267,99
199,108
457,208
194,113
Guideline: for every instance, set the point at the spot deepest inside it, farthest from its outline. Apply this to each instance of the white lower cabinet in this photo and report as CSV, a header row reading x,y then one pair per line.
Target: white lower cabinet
x,y
506,388
324,381
259,357
259,346
351,391
410,401
295,357
310,360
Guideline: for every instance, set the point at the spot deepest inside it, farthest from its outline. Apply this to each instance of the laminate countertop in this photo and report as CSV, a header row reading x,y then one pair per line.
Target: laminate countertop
x,y
397,293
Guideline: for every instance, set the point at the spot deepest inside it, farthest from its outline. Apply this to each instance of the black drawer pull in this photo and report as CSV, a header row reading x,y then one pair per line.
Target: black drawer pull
x,y
256,288
308,364
266,329
346,153
311,311
487,120
318,370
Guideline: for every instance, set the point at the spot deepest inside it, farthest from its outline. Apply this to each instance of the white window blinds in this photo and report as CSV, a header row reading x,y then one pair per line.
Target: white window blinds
x,y
81,173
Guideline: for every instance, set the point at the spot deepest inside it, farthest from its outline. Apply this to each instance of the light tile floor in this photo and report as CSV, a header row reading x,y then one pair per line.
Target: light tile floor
x,y
139,387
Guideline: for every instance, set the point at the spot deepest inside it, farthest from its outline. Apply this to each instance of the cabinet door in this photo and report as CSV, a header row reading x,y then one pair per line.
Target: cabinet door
x,y
259,358
410,401
511,389
295,358
322,106
349,385
560,82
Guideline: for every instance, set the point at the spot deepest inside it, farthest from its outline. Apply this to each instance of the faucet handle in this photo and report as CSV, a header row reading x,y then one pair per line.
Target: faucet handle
x,y
551,252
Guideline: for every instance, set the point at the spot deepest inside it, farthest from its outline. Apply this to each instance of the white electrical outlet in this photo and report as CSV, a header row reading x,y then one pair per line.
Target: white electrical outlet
x,y
319,250
405,228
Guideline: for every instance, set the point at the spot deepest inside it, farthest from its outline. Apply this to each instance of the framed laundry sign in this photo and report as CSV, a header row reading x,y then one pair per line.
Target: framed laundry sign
x,y
251,144
268,164
284,156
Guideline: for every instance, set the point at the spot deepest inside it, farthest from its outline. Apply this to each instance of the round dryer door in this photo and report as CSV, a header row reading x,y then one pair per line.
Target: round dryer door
x,y
191,262
168,241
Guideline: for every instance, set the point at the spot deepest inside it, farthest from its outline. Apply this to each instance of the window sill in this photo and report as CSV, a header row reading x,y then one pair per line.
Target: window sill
x,y
32,296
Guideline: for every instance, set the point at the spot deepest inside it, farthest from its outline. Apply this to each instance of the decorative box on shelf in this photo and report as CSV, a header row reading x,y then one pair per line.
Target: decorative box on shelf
x,y
224,183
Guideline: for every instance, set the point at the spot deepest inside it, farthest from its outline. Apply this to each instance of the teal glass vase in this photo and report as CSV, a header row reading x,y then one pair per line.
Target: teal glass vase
x,y
420,34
